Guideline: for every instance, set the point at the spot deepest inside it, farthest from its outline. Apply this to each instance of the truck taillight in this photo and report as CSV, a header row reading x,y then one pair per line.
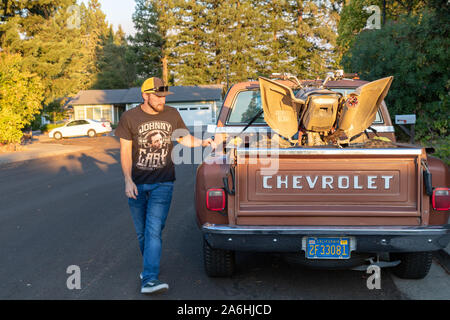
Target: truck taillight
x,y
215,199
441,199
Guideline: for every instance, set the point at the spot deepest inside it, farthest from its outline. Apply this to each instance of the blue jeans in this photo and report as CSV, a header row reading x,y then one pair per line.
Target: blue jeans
x,y
149,212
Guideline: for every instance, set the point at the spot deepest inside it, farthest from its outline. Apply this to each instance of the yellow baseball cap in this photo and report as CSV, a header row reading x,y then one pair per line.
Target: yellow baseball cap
x,y
156,86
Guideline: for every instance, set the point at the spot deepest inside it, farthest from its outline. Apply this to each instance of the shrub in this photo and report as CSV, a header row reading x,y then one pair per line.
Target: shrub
x,y
21,94
433,127
48,127
414,50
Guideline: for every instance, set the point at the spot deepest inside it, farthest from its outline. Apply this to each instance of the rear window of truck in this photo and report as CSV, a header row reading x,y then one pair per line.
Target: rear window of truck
x,y
248,103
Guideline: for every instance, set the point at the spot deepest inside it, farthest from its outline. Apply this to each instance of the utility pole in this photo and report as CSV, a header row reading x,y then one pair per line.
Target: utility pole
x,y
228,69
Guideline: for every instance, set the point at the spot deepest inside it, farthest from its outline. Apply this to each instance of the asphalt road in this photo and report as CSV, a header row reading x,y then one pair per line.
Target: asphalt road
x,y
71,210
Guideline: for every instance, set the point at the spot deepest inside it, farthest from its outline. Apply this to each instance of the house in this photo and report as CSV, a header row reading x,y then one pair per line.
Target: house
x,y
98,105
195,103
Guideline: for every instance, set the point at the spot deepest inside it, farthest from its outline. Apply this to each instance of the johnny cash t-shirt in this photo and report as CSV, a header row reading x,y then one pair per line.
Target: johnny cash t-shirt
x,y
152,137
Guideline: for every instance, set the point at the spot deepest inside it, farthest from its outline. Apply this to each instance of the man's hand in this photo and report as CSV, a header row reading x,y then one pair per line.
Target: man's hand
x,y
209,142
131,189
193,142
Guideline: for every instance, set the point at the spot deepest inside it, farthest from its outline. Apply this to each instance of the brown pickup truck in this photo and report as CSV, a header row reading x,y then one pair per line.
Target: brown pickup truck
x,y
327,195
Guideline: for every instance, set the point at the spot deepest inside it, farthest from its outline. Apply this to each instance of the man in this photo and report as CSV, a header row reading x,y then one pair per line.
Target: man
x,y
146,134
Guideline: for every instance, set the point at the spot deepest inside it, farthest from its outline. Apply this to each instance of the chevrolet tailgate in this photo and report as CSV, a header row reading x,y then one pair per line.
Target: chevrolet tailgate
x,y
329,186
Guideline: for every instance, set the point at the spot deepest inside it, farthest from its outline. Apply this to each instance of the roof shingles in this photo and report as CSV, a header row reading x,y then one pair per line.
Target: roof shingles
x,y
133,95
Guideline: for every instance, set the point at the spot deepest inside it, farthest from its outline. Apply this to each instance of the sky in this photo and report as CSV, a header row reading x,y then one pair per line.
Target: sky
x,y
119,12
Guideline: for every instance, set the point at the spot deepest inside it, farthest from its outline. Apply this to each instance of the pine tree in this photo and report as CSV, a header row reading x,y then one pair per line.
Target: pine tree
x,y
235,40
147,43
246,40
116,71
95,32
167,24
280,37
189,52
208,41
217,23
267,36
120,37
315,36
43,8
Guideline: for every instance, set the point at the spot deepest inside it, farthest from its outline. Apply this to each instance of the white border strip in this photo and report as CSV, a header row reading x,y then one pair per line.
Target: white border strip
x,y
383,128
237,129
329,151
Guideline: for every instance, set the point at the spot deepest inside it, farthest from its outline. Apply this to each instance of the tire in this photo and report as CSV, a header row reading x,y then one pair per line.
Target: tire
x,y
91,133
57,135
413,265
218,262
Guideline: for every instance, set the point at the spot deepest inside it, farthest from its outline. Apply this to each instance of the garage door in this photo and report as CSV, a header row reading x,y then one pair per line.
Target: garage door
x,y
196,113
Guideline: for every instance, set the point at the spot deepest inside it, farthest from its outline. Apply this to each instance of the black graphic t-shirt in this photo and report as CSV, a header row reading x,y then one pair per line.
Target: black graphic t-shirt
x,y
152,137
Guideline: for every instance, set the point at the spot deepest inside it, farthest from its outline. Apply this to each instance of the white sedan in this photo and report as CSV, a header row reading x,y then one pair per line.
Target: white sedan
x,y
75,128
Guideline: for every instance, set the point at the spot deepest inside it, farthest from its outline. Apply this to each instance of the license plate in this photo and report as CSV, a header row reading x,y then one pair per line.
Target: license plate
x,y
327,248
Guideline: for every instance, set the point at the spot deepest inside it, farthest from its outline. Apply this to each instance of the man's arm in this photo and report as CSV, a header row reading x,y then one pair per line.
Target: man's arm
x,y
126,161
192,142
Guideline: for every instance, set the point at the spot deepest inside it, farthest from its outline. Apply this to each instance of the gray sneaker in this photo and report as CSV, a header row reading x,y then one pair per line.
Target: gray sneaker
x,y
154,286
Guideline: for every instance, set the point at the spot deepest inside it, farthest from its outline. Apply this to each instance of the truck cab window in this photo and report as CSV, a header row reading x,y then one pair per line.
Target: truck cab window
x,y
246,106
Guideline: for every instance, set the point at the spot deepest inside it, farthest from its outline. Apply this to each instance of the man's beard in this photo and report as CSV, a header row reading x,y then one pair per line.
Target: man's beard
x,y
158,108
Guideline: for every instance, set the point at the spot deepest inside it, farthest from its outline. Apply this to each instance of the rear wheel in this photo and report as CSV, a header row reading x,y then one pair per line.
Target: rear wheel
x,y
91,133
218,262
413,265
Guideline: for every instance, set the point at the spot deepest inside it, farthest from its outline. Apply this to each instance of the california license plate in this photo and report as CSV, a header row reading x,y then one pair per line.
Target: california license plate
x,y
327,248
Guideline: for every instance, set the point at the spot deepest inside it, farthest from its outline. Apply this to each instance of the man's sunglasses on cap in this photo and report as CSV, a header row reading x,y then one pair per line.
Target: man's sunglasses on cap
x,y
159,89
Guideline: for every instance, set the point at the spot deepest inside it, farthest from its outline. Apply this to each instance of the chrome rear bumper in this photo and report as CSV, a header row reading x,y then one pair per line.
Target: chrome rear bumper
x,y
289,238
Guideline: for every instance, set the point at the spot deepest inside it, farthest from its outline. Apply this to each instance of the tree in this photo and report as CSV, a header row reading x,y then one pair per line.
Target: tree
x,y
63,56
167,28
147,43
59,41
21,94
43,8
219,26
189,56
353,20
115,67
316,23
414,49
200,40
247,41
354,17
